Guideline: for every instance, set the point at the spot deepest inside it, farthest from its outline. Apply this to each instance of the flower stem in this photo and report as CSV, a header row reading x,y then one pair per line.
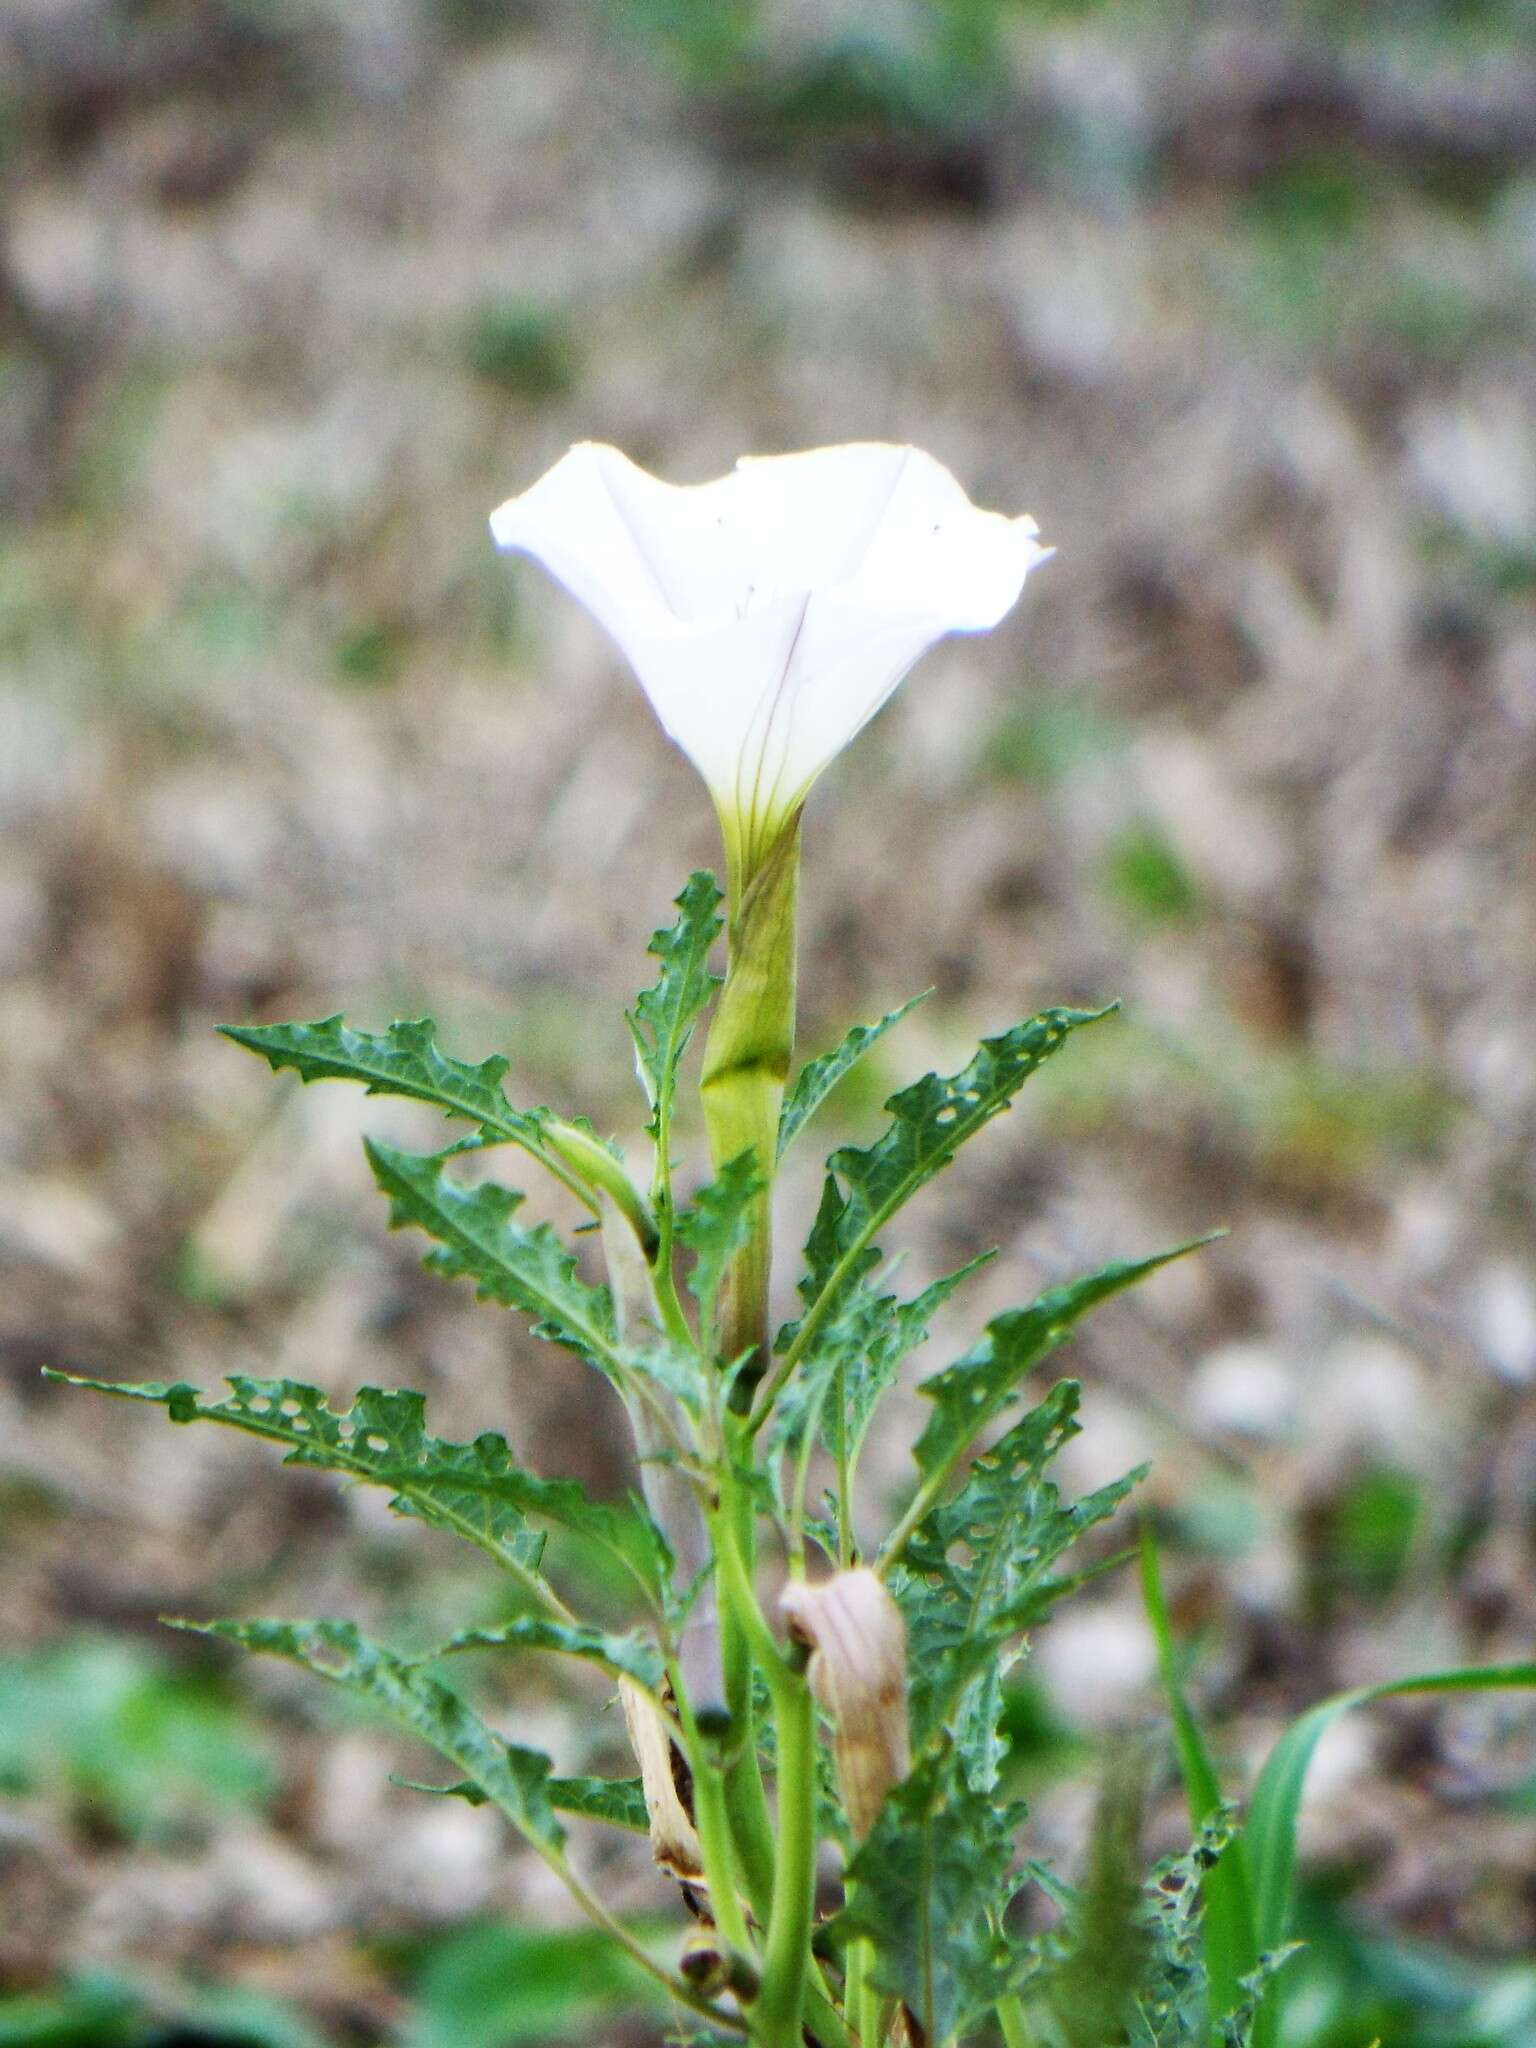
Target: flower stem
x,y
787,1962
746,1800
787,1954
746,1063
709,1817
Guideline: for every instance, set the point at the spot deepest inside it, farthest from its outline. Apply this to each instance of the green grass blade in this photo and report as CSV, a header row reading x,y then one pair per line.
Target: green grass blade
x,y
1230,1932
1277,1797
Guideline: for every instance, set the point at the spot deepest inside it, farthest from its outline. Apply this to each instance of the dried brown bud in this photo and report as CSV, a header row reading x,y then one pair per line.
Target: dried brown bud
x,y
674,1840
858,1672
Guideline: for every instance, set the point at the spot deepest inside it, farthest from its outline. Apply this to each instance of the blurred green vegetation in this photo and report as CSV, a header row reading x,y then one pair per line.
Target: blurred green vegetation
x,y
1145,877
100,2009
1348,1987
105,1726
523,348
488,1985
1295,1115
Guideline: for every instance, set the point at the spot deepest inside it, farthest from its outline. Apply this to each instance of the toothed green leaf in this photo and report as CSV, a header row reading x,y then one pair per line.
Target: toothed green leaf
x,y
405,1060
626,1656
977,1570
619,1802
664,1016
968,1394
818,1077
928,1888
515,1781
931,1120
855,1357
476,1491
714,1227
479,1240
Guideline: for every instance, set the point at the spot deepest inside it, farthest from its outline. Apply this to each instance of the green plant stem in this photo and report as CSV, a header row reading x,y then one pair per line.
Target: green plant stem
x,y
787,1951
843,1452
787,1961
746,1064
668,1301
917,1507
710,1818
600,1916
1016,2030
746,1799
860,1996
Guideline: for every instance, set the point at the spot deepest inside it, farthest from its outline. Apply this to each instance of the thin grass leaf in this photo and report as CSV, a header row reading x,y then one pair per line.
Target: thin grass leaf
x,y
1231,1944
1276,1805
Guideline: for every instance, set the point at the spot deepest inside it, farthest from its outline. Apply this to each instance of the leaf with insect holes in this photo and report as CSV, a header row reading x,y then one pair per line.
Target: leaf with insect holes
x,y
714,1227
930,1121
977,1569
665,1015
480,1240
405,1060
818,1077
515,1781
928,1888
968,1394
633,1655
476,1491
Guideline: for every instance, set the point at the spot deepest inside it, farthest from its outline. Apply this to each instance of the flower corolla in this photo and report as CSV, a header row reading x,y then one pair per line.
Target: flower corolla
x,y
769,614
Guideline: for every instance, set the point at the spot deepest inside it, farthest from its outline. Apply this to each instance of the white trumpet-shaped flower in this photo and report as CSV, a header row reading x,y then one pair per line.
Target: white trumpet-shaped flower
x,y
769,614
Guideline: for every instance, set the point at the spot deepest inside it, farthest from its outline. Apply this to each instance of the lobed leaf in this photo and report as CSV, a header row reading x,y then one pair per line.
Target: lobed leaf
x,y
633,1655
478,1239
931,1120
515,1781
405,1060
977,1570
969,1393
714,1227
619,1802
818,1077
666,1014
476,1491
861,1346
928,1888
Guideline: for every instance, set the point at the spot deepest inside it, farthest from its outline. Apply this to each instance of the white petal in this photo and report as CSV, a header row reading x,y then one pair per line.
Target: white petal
x,y
769,614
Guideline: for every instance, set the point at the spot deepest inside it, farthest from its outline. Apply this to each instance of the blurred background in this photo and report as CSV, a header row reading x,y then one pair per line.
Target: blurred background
x,y
1237,300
